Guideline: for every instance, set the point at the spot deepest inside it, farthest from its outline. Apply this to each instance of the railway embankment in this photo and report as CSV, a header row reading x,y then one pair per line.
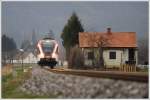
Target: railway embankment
x,y
43,82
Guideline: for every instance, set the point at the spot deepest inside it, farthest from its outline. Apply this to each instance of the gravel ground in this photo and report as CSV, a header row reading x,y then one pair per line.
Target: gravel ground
x,y
43,82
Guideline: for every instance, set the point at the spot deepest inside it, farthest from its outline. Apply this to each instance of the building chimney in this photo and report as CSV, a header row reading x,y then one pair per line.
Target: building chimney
x,y
109,30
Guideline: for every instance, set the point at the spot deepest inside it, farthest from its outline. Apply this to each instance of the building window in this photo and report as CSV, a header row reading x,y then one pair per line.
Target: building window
x,y
112,55
90,55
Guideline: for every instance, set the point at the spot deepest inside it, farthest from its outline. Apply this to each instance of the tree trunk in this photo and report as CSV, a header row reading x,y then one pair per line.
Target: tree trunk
x,y
93,57
101,60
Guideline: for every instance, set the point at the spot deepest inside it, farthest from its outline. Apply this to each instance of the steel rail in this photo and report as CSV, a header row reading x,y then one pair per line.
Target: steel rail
x,y
119,75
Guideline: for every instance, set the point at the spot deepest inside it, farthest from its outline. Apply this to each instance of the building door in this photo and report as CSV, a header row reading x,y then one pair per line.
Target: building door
x,y
131,54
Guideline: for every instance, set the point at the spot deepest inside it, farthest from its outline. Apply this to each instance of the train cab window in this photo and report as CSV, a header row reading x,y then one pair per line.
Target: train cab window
x,y
48,46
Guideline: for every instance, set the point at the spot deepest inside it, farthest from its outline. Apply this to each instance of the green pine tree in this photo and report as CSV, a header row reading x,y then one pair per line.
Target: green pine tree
x,y
70,34
9,48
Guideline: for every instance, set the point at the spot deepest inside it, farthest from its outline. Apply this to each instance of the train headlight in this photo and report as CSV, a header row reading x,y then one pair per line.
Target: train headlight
x,y
54,55
41,55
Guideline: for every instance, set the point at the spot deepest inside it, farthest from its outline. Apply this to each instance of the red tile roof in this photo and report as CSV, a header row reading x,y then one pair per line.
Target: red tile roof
x,y
113,39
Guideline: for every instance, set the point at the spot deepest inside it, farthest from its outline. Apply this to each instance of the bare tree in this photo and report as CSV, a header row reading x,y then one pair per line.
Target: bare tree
x,y
101,42
76,58
92,41
143,50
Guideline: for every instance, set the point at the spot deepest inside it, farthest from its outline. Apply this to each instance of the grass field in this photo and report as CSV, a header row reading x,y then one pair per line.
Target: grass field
x,y
10,83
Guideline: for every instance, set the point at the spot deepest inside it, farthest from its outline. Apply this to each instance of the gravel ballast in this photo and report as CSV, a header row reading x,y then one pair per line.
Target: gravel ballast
x,y
43,82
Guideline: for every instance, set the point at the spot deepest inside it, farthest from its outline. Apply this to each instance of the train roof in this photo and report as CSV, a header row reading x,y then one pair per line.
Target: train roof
x,y
47,39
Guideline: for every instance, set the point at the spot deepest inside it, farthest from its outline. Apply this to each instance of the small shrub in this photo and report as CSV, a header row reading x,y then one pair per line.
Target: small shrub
x,y
76,58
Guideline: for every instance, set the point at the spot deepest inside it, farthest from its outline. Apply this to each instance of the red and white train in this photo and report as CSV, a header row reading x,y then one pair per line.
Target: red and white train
x,y
48,52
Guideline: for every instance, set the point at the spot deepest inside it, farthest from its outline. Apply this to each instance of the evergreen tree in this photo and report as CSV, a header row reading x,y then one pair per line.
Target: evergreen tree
x,y
70,32
8,44
9,48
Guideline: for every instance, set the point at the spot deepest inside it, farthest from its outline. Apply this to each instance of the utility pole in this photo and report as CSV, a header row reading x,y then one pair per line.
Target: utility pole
x,y
21,50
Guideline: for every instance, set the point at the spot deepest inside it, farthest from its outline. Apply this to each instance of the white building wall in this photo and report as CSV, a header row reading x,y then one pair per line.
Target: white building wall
x,y
122,55
136,56
30,59
87,61
112,62
125,55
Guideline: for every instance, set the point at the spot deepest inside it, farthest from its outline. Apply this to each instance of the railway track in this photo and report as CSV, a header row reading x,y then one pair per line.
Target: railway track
x,y
131,76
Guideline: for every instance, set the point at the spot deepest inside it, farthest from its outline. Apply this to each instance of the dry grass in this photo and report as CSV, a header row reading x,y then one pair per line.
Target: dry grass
x,y
10,84
7,69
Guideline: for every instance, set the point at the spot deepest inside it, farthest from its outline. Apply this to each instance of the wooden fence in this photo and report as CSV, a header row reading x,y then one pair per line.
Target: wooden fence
x,y
128,68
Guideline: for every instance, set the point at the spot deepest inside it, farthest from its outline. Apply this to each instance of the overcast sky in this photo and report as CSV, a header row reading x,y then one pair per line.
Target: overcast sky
x,y
20,18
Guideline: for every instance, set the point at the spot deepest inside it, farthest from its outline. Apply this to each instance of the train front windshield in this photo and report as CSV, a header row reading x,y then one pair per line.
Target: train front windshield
x,y
48,46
